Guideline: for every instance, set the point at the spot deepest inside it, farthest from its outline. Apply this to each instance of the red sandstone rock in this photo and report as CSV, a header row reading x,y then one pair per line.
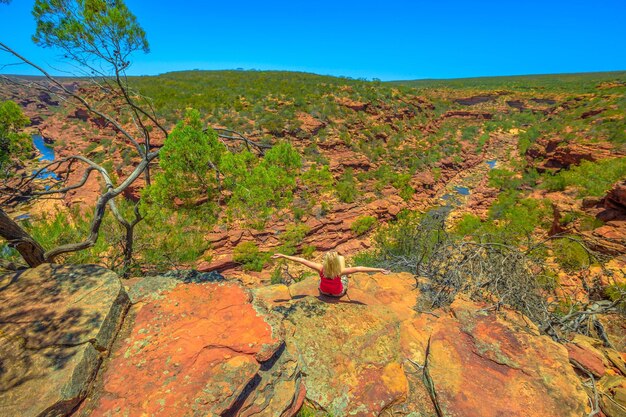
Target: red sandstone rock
x,y
351,104
220,264
56,324
556,154
192,350
480,365
586,358
616,197
309,123
367,351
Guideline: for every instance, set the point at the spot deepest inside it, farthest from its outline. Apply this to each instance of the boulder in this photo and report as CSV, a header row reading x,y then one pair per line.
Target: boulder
x,y
616,197
56,325
197,349
556,153
352,104
309,124
612,390
481,364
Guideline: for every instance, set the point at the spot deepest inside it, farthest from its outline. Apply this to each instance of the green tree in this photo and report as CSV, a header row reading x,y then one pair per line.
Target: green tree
x,y
261,185
97,37
283,155
12,143
90,31
189,163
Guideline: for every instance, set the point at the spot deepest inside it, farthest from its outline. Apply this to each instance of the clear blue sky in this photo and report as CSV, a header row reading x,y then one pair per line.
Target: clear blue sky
x,y
384,39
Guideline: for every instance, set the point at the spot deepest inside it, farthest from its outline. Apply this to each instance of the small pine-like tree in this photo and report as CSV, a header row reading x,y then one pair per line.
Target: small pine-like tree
x,y
189,160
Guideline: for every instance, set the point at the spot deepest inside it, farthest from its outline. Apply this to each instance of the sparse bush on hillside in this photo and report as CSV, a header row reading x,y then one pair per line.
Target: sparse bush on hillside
x,y
469,132
515,217
170,238
318,177
249,256
292,237
589,178
346,187
616,293
527,138
504,179
512,219
363,224
468,224
484,267
571,254
54,231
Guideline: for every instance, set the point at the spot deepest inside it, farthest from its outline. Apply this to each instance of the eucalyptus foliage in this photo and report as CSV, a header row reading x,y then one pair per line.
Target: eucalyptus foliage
x,y
90,31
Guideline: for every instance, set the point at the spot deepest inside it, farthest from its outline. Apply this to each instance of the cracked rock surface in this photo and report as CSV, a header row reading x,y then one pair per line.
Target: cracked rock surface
x,y
56,324
196,349
201,345
372,354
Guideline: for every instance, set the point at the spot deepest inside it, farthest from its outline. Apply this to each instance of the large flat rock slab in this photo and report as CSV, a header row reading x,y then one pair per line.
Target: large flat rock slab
x,y
197,349
349,356
487,365
372,353
56,324
350,348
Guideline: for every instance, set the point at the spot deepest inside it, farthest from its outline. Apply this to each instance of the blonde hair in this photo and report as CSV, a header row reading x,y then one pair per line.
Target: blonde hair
x,y
332,264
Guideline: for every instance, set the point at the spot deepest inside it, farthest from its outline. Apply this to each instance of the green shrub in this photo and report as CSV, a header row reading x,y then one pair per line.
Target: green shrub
x,y
503,179
346,187
589,178
318,177
292,237
570,254
285,156
616,292
482,140
468,224
588,223
527,138
277,275
259,186
13,144
307,250
363,224
518,217
298,213
168,238
548,280
249,256
70,227
185,161
469,132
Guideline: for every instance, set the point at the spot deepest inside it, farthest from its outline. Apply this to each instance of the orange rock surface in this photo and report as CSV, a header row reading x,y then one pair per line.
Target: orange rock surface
x,y
191,351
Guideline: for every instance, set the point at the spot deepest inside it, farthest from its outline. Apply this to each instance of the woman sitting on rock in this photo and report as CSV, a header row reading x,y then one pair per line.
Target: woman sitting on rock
x,y
333,273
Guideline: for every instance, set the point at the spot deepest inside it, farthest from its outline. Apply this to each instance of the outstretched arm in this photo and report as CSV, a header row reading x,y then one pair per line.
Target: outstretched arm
x,y
355,269
313,265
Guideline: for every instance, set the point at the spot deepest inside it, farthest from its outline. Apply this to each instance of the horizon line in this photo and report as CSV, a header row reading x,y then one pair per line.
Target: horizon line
x,y
365,79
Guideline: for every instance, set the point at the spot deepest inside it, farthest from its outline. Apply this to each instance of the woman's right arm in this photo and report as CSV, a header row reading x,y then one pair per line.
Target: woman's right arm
x,y
313,265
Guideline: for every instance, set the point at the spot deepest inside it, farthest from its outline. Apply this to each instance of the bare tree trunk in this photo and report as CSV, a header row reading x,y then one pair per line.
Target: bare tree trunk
x,y
128,245
31,251
128,248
